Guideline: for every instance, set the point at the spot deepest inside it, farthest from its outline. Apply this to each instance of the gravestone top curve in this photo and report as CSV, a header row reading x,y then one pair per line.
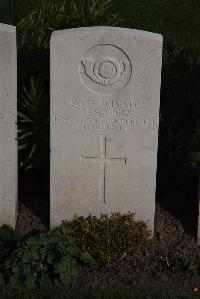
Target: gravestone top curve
x,y
102,29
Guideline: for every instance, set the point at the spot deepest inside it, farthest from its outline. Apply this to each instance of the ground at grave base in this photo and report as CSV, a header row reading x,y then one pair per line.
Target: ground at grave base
x,y
152,271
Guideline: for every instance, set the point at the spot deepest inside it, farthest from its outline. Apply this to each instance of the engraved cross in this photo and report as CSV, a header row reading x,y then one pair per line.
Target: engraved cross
x,y
103,160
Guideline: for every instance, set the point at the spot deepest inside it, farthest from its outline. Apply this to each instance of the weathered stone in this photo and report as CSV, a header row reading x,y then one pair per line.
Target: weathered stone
x,y
8,128
105,94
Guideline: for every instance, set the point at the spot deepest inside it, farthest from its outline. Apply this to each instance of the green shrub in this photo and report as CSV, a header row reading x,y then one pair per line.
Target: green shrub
x,y
109,239
36,28
33,125
52,257
91,13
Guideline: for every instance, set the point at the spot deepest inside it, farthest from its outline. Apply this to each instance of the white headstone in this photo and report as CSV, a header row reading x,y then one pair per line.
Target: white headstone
x,y
8,127
105,95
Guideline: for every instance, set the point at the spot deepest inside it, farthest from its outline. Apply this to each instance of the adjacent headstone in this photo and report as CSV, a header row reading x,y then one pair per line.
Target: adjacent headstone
x,y
105,94
8,127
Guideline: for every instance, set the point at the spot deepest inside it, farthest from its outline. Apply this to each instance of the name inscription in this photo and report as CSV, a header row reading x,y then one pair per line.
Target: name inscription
x,y
104,114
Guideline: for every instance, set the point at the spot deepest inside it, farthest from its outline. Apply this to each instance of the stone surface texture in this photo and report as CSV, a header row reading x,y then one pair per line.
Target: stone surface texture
x,y
8,127
105,95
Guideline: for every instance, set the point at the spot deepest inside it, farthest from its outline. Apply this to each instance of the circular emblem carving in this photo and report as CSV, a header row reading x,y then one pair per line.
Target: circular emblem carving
x,y
105,69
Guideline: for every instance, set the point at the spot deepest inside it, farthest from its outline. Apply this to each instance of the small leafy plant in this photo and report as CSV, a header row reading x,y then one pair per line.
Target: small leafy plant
x,y
52,257
110,239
